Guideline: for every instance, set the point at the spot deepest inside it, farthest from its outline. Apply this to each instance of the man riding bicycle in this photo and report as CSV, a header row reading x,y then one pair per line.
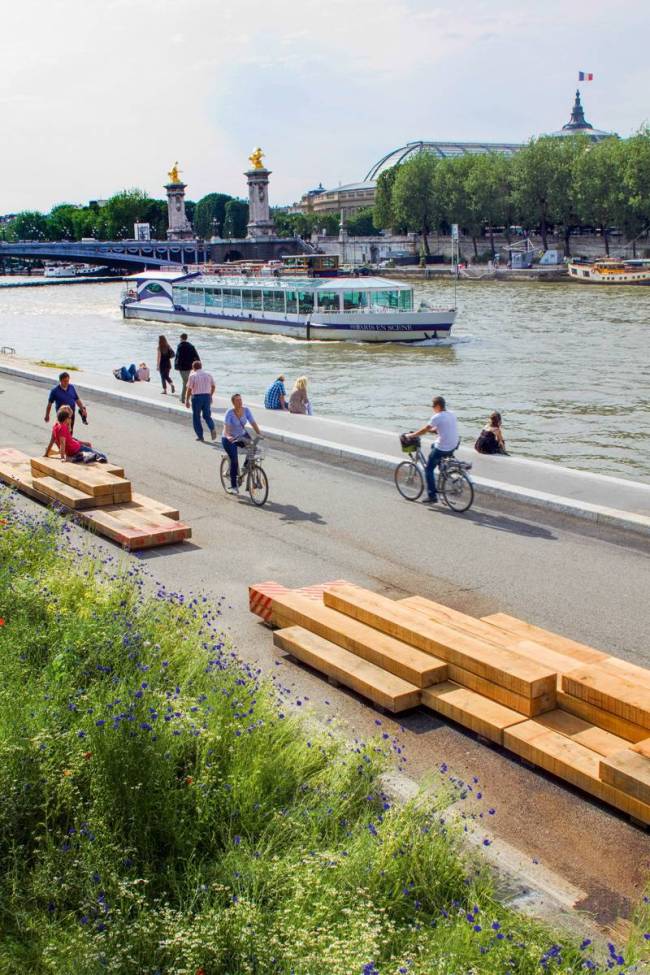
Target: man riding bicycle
x,y
236,435
444,423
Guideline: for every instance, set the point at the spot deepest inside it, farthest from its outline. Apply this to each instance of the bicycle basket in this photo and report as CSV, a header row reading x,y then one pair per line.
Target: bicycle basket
x,y
260,451
409,444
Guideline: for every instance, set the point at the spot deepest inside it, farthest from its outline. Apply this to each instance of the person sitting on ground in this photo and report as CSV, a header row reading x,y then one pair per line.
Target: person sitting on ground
x,y
444,423
69,447
236,435
299,400
276,396
142,373
490,439
65,395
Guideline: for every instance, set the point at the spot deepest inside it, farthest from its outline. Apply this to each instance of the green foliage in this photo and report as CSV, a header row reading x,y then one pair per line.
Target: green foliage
x,y
305,224
235,221
596,185
160,811
28,225
209,209
361,223
416,203
383,215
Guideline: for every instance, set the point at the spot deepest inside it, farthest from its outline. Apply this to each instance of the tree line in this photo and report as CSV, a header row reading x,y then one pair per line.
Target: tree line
x,y
551,184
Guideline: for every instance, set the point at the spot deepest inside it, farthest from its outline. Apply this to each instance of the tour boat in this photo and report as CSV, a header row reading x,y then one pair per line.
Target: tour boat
x,y
330,309
59,271
610,271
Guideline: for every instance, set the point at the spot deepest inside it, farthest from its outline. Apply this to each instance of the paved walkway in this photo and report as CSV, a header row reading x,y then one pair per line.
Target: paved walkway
x,y
599,498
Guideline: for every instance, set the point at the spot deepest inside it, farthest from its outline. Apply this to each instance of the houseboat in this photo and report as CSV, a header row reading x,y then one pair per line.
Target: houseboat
x,y
610,271
328,309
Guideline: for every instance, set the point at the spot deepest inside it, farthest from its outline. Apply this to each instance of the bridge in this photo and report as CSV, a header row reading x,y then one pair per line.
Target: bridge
x,y
137,255
132,254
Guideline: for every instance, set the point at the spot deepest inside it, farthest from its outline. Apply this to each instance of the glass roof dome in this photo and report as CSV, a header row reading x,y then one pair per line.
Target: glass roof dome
x,y
443,150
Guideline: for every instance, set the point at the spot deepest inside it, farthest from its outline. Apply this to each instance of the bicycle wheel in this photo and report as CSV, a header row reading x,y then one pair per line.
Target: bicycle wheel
x,y
258,485
408,480
224,472
457,490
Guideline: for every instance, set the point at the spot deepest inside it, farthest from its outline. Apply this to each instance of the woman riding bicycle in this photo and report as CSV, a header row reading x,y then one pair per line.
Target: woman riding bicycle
x,y
236,435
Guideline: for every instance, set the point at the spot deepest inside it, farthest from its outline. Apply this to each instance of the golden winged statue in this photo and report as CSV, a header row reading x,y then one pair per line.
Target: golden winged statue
x,y
255,158
174,173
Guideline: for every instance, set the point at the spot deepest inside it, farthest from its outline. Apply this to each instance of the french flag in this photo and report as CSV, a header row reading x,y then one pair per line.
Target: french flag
x,y
585,76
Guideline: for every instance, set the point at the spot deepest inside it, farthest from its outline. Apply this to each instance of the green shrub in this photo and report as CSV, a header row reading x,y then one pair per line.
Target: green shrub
x,y
163,811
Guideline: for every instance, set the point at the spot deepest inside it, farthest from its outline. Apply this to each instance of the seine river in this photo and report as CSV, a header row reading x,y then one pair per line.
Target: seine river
x,y
568,367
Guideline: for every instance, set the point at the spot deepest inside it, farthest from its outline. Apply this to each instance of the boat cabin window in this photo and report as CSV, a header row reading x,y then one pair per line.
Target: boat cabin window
x,y
328,301
252,298
355,300
274,301
305,302
384,299
213,297
232,297
406,300
292,302
195,296
179,296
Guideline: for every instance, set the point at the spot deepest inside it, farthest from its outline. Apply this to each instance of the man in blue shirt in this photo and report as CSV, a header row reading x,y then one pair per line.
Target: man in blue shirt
x,y
276,396
65,395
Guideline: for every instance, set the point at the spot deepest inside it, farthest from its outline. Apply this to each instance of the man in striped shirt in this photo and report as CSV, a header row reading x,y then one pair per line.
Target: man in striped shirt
x,y
200,390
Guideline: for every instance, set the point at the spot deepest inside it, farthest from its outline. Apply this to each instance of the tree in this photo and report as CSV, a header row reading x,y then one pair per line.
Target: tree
x,y
596,174
415,200
534,170
361,223
235,221
633,203
489,185
458,204
210,212
123,210
61,222
563,196
29,225
383,216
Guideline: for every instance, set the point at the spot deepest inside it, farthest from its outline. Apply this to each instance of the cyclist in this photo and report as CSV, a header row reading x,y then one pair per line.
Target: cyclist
x,y
445,425
236,435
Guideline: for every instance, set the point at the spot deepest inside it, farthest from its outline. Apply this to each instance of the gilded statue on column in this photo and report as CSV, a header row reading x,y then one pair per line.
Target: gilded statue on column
x,y
174,173
255,158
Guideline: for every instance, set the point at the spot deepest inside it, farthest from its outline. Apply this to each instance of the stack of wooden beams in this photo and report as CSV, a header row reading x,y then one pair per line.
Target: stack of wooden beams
x,y
574,711
99,495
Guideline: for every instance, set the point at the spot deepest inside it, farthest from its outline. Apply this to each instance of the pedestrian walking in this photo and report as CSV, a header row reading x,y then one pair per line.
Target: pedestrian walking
x,y
186,354
276,395
164,357
200,390
299,399
65,395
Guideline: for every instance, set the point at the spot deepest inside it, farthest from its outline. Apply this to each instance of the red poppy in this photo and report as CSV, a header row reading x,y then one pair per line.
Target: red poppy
x,y
2,622
189,780
88,754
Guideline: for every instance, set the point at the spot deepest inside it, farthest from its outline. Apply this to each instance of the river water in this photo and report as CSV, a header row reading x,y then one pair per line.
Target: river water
x,y
568,366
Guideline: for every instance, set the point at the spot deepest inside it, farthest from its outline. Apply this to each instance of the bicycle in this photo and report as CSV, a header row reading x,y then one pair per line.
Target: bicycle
x,y
452,480
251,471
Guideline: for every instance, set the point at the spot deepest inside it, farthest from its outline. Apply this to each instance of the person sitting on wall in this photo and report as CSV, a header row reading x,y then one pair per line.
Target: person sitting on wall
x,y
490,439
276,396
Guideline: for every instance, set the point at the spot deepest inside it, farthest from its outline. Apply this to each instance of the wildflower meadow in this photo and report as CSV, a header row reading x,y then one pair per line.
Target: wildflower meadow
x,y
163,810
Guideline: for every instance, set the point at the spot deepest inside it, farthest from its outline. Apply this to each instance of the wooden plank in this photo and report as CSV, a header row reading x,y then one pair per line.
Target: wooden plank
x,y
360,675
89,478
67,495
20,476
597,740
642,747
571,761
602,719
294,609
627,670
151,505
498,665
528,706
438,613
601,686
105,523
108,468
561,644
473,711
628,771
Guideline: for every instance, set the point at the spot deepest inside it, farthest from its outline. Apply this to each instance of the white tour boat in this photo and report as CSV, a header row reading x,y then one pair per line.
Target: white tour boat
x,y
610,271
59,271
333,309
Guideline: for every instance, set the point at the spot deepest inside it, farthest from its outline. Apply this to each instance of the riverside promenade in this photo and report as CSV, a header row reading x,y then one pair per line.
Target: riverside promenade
x,y
598,499
331,517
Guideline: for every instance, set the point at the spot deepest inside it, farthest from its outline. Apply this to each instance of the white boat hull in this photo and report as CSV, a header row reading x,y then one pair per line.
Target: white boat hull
x,y
400,327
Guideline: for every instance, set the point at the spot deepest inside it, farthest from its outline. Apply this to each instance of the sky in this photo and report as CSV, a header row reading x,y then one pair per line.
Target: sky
x,y
103,95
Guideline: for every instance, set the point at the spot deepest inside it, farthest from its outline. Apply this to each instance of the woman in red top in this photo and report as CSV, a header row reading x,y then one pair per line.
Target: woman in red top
x,y
69,447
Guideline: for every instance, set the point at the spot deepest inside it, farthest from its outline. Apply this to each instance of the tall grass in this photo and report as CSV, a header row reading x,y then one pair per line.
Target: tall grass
x,y
161,813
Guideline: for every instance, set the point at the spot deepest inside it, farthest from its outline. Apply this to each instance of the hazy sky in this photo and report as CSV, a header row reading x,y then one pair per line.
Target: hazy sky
x,y
99,95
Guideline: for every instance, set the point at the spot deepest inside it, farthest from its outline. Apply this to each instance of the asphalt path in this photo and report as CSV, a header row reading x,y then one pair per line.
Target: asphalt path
x,y
322,523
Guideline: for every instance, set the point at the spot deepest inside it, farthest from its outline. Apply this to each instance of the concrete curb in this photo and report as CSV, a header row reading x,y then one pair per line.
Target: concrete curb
x,y
361,460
